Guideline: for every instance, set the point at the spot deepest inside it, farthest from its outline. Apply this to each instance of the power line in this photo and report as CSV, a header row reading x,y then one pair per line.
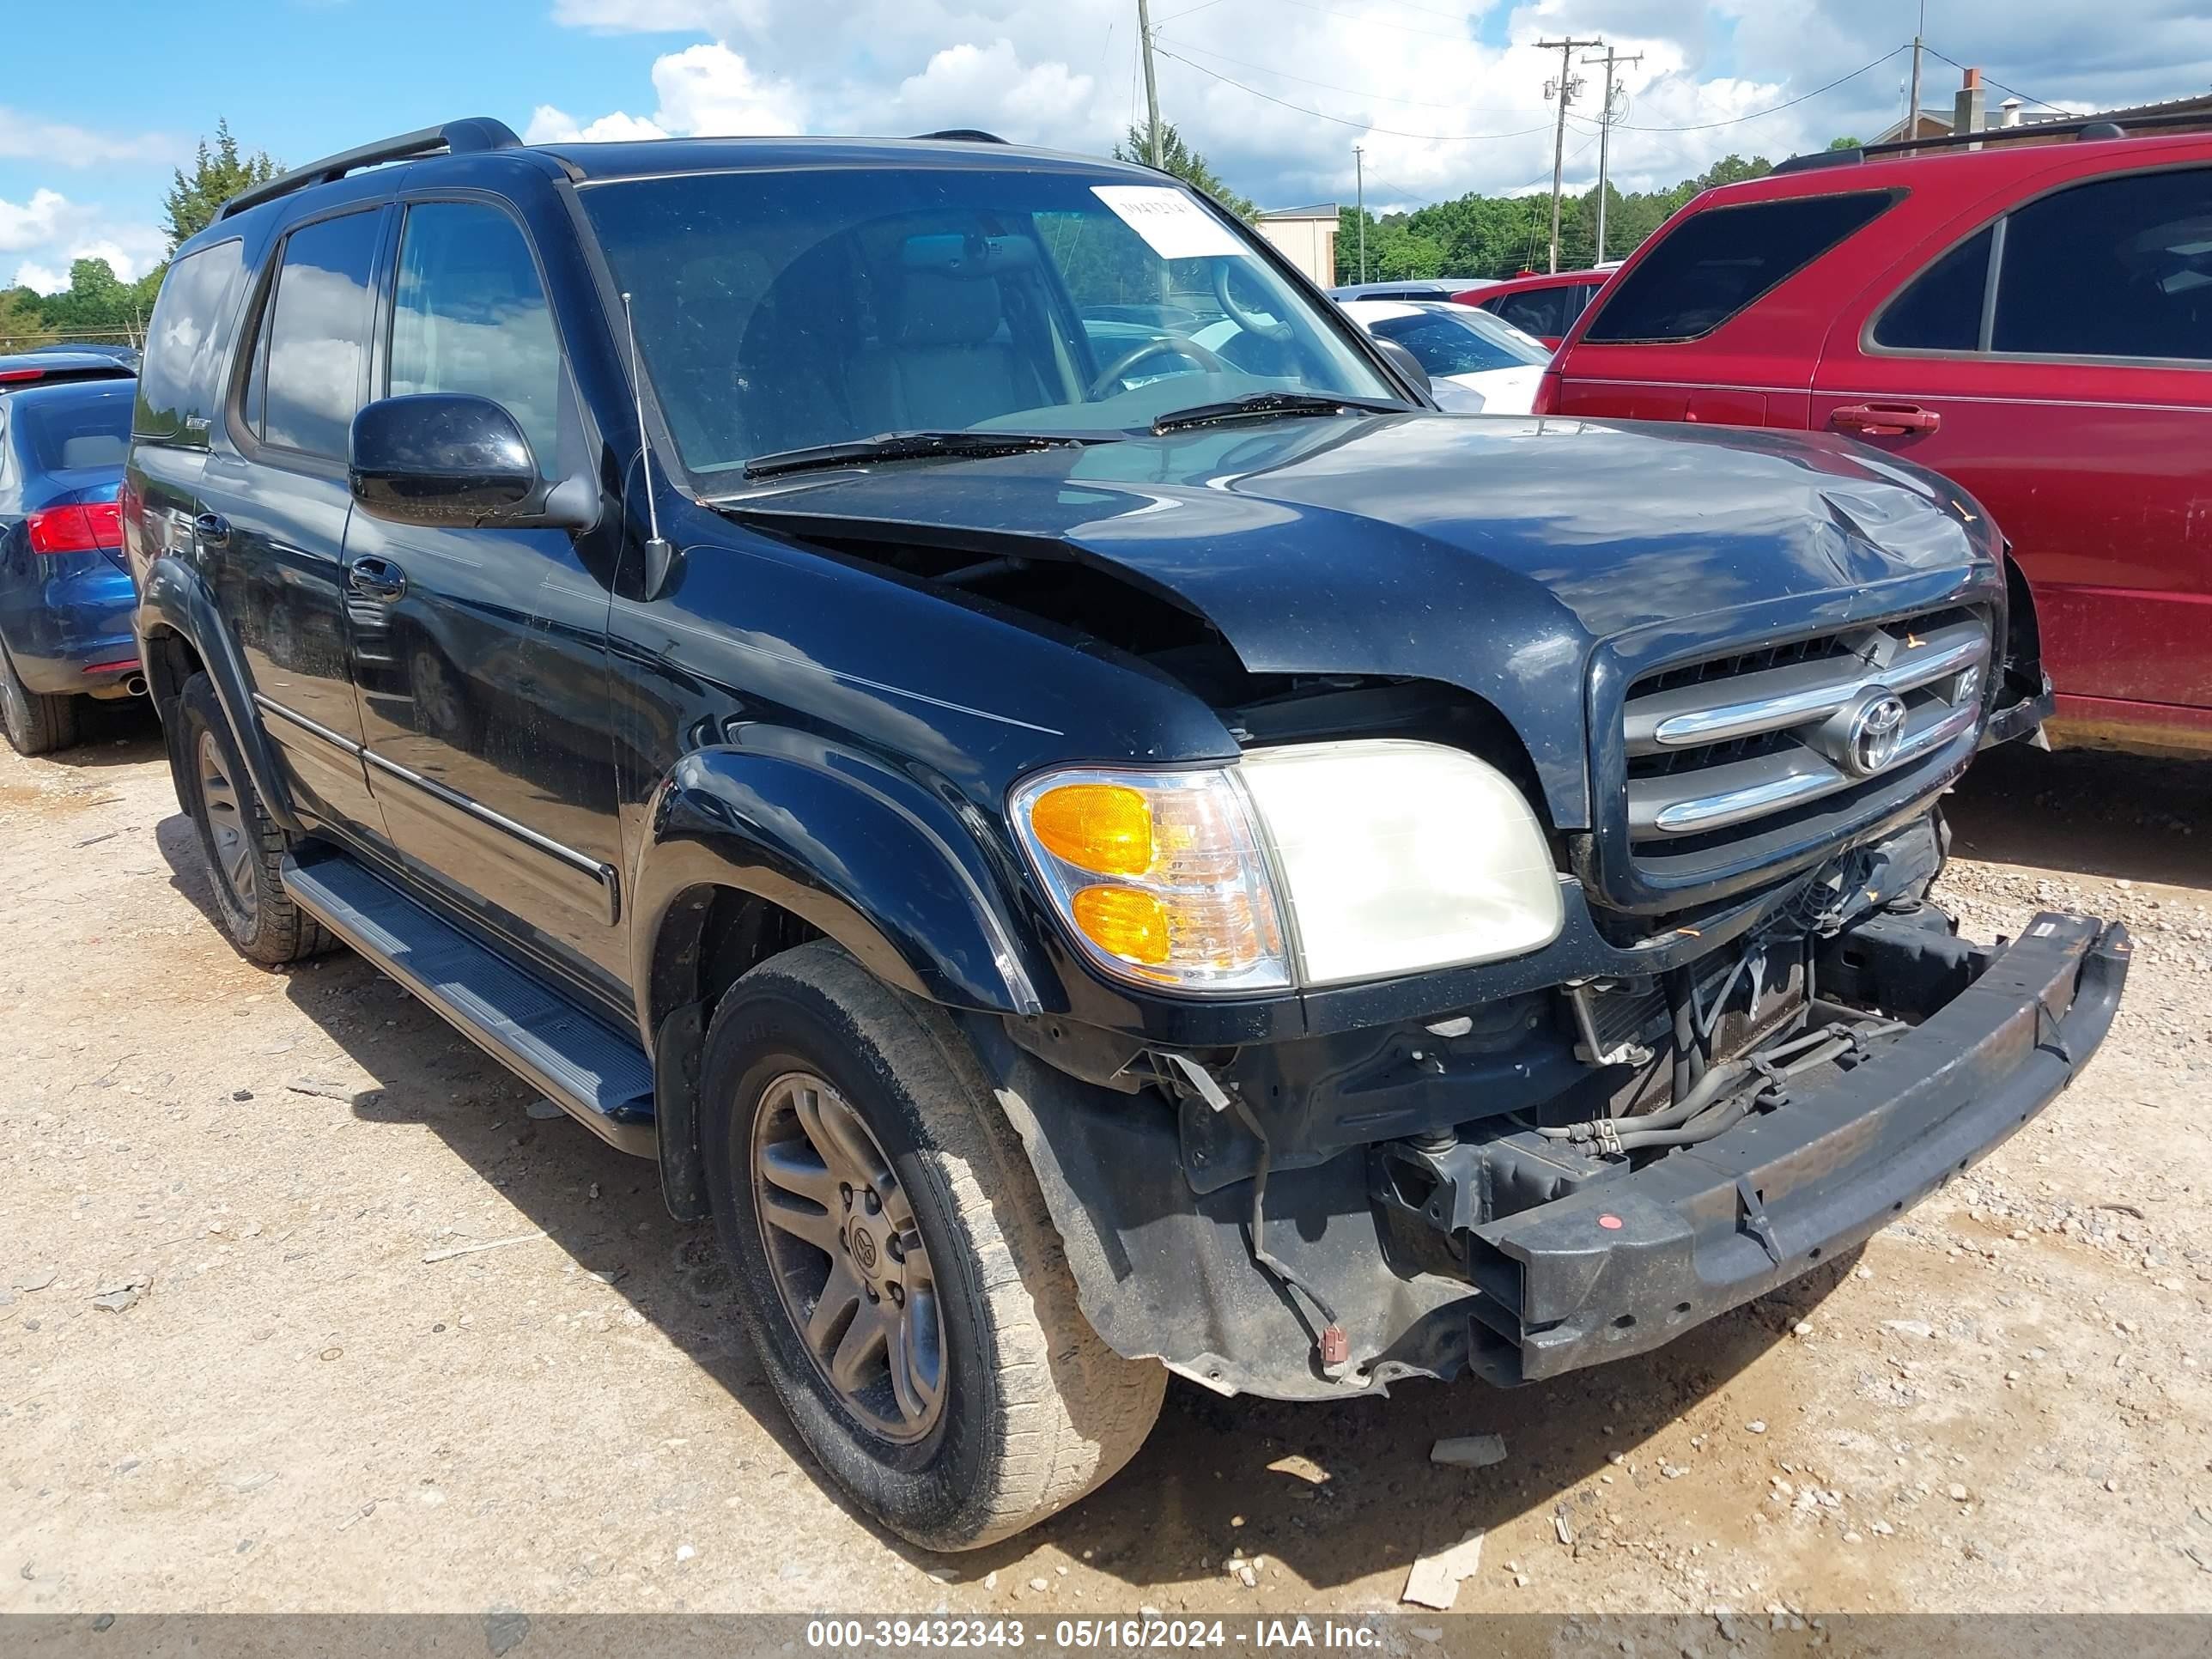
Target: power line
x,y
1330,86
1345,121
1760,115
2001,86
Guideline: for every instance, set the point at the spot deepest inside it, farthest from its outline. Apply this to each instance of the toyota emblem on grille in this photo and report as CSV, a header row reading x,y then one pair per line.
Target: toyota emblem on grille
x,y
1871,743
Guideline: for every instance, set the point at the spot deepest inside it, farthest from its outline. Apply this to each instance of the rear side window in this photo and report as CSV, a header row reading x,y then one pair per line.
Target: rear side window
x,y
2121,267
1719,262
1941,309
1540,311
306,371
178,380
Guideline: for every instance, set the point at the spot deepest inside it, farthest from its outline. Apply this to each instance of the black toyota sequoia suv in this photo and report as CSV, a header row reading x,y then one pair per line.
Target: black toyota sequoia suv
x,y
944,694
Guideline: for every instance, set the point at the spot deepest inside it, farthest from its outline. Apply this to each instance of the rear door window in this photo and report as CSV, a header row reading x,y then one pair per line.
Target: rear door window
x,y
308,363
2119,267
1716,262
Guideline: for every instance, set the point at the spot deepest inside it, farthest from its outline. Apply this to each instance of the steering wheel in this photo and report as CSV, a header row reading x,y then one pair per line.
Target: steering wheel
x,y
1249,321
1160,345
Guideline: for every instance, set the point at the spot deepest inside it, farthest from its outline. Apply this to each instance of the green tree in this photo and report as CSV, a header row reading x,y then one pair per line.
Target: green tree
x,y
22,321
1479,235
1847,142
1178,158
96,300
217,175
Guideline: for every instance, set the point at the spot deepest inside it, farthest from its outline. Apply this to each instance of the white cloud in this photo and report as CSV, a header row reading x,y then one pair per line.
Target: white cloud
x,y
42,219
549,125
49,230
59,144
711,91
1048,101
704,91
1439,105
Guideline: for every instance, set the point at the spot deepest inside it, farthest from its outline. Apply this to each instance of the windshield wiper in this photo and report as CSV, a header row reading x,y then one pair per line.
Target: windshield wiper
x,y
909,447
1267,405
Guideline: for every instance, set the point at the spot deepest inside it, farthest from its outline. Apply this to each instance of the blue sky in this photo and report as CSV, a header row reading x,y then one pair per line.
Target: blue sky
x,y
1445,97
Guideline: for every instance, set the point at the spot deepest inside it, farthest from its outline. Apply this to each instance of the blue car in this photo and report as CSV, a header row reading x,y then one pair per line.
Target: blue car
x,y
65,596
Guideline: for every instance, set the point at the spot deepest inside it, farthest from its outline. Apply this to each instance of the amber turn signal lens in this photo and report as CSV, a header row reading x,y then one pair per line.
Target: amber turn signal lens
x,y
1124,922
1104,828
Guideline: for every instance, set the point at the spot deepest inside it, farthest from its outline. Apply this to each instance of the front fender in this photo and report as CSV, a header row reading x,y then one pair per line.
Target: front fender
x,y
904,876
175,598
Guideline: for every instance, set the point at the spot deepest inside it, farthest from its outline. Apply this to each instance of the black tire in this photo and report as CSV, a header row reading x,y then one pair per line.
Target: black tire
x,y
1035,1410
36,723
244,848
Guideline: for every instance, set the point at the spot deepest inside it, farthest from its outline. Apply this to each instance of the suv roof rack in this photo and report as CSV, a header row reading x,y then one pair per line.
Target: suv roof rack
x,y
470,135
964,135
2086,127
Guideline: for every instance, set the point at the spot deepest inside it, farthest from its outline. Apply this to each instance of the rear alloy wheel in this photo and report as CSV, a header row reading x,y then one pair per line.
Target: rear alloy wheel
x,y
245,848
224,816
36,724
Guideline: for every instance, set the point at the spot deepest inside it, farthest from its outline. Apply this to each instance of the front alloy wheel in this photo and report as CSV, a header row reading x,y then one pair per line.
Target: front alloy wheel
x,y
847,1257
896,1267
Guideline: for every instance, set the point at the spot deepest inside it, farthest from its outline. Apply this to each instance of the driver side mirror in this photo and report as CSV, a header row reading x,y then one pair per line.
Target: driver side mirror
x,y
452,461
1406,364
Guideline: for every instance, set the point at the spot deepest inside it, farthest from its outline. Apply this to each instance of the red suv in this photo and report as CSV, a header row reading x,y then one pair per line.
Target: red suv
x,y
2033,318
1544,305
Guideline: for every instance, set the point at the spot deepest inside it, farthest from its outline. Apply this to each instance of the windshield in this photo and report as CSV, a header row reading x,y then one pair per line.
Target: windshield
x,y
778,311
1463,341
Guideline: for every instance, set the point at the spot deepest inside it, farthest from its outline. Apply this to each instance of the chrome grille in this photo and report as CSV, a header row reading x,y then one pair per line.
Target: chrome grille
x,y
1722,744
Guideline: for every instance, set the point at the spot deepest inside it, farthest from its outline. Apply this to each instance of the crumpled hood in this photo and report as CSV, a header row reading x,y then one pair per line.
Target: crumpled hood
x,y
1488,552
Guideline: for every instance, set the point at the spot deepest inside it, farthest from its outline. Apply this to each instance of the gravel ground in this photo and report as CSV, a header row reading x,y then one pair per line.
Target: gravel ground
x,y
247,1364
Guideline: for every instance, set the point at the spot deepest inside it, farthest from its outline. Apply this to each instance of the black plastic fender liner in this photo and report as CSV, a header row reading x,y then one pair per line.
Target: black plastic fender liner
x,y
1163,1273
676,1050
1628,1265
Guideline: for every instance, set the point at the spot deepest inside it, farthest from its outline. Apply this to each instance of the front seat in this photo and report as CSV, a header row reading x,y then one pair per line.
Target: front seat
x,y
949,363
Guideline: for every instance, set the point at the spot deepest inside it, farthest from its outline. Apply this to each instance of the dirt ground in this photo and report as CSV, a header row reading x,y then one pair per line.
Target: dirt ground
x,y
311,1401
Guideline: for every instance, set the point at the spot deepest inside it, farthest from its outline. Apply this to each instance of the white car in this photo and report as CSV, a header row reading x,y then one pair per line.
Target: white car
x,y
1476,364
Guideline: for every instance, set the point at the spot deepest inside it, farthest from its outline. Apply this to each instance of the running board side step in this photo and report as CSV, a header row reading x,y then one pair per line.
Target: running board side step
x,y
598,1076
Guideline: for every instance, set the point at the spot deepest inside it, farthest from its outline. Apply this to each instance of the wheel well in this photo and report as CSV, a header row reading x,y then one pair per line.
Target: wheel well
x,y
710,938
2023,648
170,661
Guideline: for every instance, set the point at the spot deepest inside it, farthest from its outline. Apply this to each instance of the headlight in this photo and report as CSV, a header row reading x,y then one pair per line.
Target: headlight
x,y
1316,864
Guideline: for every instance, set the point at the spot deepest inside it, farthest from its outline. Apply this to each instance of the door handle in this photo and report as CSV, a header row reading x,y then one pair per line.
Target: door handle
x,y
377,578
1884,420
212,529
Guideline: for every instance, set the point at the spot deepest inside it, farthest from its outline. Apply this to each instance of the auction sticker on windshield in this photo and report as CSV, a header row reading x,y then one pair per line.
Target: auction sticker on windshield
x,y
1174,226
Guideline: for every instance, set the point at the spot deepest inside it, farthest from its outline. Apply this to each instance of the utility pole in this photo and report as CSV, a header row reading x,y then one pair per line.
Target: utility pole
x,y
1611,60
1151,86
1565,88
1912,108
1359,168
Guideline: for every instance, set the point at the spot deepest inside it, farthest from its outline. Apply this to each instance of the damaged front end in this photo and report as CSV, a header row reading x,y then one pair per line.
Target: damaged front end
x,y
1615,1143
